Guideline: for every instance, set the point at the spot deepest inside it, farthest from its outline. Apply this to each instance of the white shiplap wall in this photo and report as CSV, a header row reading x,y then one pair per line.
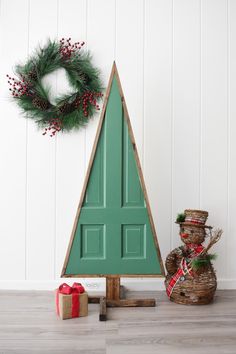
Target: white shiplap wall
x,y
177,63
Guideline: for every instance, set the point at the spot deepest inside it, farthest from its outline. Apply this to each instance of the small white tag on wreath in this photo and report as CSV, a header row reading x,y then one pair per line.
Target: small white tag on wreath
x,y
70,111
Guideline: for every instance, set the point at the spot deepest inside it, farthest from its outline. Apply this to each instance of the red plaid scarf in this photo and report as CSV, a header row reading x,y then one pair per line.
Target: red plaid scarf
x,y
195,251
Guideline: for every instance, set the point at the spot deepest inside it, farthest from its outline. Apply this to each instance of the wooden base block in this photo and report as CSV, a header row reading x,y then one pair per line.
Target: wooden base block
x,y
94,299
103,309
132,303
122,292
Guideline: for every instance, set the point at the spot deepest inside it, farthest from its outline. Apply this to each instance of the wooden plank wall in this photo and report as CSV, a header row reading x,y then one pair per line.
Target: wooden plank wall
x,y
177,63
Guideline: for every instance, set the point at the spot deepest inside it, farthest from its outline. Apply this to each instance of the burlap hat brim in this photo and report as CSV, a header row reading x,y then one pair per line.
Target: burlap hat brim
x,y
193,224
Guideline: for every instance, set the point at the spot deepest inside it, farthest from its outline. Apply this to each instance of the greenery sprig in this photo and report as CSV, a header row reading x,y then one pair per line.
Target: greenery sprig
x,y
70,111
180,217
203,261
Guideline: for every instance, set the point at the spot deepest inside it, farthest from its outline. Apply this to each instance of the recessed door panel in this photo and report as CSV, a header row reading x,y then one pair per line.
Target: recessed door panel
x,y
133,242
94,196
131,188
92,242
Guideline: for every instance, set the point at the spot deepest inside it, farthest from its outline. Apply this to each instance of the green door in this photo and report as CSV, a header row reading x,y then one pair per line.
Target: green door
x,y
113,232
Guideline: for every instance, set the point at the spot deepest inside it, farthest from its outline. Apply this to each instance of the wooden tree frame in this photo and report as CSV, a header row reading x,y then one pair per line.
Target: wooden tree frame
x,y
113,295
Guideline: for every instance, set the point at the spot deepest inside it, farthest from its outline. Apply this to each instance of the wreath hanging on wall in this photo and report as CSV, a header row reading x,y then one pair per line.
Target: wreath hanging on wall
x,y
70,111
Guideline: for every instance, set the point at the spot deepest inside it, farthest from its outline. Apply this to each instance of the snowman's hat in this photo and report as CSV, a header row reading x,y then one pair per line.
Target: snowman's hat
x,y
193,217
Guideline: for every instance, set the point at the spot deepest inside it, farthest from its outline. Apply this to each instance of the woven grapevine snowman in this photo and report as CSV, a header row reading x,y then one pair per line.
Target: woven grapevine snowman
x,y
190,276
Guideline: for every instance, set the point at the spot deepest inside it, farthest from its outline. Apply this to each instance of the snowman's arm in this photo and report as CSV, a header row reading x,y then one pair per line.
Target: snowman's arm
x,y
173,260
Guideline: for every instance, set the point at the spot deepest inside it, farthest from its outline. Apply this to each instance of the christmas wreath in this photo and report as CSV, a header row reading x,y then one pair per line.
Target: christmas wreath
x,y
70,111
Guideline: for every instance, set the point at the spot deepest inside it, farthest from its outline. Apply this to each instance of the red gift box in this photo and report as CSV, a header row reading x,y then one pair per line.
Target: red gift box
x,y
71,301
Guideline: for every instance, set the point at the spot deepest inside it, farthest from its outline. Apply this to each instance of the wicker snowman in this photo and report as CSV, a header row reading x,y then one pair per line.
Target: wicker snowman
x,y
191,278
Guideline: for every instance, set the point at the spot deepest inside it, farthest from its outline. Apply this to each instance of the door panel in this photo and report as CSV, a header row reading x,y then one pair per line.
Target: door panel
x,y
113,233
131,187
95,193
133,242
92,241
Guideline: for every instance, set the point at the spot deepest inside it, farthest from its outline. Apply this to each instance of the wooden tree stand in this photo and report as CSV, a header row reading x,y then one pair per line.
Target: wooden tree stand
x,y
115,297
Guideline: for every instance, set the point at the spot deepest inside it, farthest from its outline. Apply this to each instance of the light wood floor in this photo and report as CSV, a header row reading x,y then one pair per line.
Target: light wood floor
x,y
28,325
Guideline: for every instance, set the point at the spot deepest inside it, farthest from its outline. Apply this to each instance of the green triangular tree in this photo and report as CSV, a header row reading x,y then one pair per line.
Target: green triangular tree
x,y
113,233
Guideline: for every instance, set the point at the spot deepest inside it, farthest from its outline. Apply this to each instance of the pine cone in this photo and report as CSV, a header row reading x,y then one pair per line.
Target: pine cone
x,y
40,103
66,107
84,78
32,75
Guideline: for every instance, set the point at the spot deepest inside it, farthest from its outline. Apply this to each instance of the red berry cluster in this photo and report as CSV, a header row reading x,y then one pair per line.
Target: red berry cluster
x,y
54,127
86,98
18,88
67,48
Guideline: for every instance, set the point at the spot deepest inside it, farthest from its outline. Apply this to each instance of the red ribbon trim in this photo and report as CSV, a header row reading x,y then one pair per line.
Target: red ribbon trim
x,y
195,221
73,290
184,268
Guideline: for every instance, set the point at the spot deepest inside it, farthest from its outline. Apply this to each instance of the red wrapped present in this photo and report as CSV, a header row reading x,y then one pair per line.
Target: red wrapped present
x,y
71,301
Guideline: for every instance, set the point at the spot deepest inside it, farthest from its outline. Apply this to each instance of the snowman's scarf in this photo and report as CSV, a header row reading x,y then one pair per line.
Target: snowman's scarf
x,y
194,251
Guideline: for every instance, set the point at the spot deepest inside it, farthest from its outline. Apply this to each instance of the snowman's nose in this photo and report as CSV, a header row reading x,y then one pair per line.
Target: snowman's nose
x,y
184,235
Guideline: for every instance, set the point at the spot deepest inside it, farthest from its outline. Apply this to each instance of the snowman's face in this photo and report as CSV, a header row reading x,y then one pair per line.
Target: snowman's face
x,y
192,234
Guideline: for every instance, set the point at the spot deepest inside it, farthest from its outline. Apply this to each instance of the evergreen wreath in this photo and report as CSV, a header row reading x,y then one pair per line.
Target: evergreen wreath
x,y
70,111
